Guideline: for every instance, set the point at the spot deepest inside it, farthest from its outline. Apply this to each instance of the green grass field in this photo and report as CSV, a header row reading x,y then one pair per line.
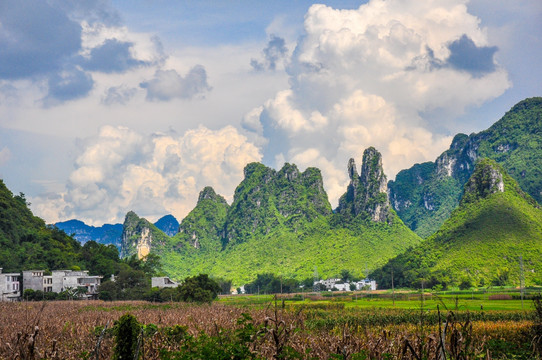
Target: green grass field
x,y
473,301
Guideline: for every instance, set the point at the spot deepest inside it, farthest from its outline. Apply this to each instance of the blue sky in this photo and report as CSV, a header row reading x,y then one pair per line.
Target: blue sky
x,y
111,106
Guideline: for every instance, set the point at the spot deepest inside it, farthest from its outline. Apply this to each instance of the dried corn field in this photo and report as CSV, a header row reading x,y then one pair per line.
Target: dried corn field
x,y
75,330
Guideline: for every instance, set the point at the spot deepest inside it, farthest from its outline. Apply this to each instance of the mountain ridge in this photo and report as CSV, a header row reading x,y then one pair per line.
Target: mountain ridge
x,y
425,194
282,222
481,243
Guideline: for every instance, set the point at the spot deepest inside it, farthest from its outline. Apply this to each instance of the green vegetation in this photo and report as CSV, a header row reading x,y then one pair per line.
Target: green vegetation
x,y
199,288
127,330
482,241
281,222
322,244
425,195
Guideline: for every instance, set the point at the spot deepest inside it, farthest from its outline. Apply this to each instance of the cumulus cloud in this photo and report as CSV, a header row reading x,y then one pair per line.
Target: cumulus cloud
x,y
118,95
68,85
386,75
168,84
59,43
113,56
120,169
274,52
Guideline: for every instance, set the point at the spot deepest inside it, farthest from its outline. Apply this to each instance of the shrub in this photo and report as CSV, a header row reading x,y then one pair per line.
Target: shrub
x,y
127,331
199,288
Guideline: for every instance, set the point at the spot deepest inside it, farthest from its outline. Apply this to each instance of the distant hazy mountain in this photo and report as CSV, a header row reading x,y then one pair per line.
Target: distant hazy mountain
x,y
111,233
106,234
168,224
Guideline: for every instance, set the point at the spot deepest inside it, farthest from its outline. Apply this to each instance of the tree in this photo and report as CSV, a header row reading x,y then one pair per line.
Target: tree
x,y
225,285
346,275
126,333
199,288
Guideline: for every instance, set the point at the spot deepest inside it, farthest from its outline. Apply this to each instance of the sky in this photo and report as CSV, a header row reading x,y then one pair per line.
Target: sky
x,y
112,106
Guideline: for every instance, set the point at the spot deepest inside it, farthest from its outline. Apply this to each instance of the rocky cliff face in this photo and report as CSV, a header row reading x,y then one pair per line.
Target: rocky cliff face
x,y
139,236
366,194
486,180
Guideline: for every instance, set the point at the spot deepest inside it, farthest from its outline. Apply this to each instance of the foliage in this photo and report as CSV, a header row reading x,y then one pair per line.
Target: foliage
x,y
268,283
199,288
537,326
127,330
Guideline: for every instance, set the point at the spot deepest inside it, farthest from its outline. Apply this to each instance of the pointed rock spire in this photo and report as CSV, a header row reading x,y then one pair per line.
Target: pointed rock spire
x,y
367,192
352,170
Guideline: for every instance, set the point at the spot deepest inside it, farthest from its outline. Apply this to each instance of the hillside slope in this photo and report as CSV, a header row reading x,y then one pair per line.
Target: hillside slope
x,y
482,242
426,194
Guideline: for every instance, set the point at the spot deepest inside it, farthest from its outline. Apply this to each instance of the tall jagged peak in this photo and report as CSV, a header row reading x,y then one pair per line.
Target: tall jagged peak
x,y
208,193
289,171
255,168
367,193
352,170
372,173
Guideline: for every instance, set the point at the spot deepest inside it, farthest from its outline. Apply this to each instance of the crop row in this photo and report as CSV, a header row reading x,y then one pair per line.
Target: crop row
x,y
75,330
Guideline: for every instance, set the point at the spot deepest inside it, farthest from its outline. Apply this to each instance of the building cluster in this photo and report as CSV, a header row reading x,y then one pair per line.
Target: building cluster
x,y
60,280
340,285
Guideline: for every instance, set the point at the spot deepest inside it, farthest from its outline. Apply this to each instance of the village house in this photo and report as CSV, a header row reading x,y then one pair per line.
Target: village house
x,y
163,282
61,280
9,286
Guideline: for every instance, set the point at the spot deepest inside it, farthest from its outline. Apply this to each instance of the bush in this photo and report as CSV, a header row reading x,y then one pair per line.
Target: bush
x,y
127,330
465,284
199,288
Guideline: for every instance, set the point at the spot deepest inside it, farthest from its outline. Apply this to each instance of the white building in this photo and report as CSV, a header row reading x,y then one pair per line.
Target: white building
x,y
61,280
9,286
340,285
163,282
366,284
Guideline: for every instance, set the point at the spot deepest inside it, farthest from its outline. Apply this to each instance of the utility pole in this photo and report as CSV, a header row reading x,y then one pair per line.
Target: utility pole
x,y
392,288
521,279
316,278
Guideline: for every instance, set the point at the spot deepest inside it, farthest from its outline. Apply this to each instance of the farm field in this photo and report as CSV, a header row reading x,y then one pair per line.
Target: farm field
x,y
408,300
258,327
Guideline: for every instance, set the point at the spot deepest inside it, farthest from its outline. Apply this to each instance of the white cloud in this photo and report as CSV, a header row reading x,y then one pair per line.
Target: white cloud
x,y
120,170
380,76
168,84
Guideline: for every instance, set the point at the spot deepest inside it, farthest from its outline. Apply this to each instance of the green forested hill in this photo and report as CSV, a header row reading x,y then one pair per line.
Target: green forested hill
x,y
481,243
281,222
27,243
425,195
